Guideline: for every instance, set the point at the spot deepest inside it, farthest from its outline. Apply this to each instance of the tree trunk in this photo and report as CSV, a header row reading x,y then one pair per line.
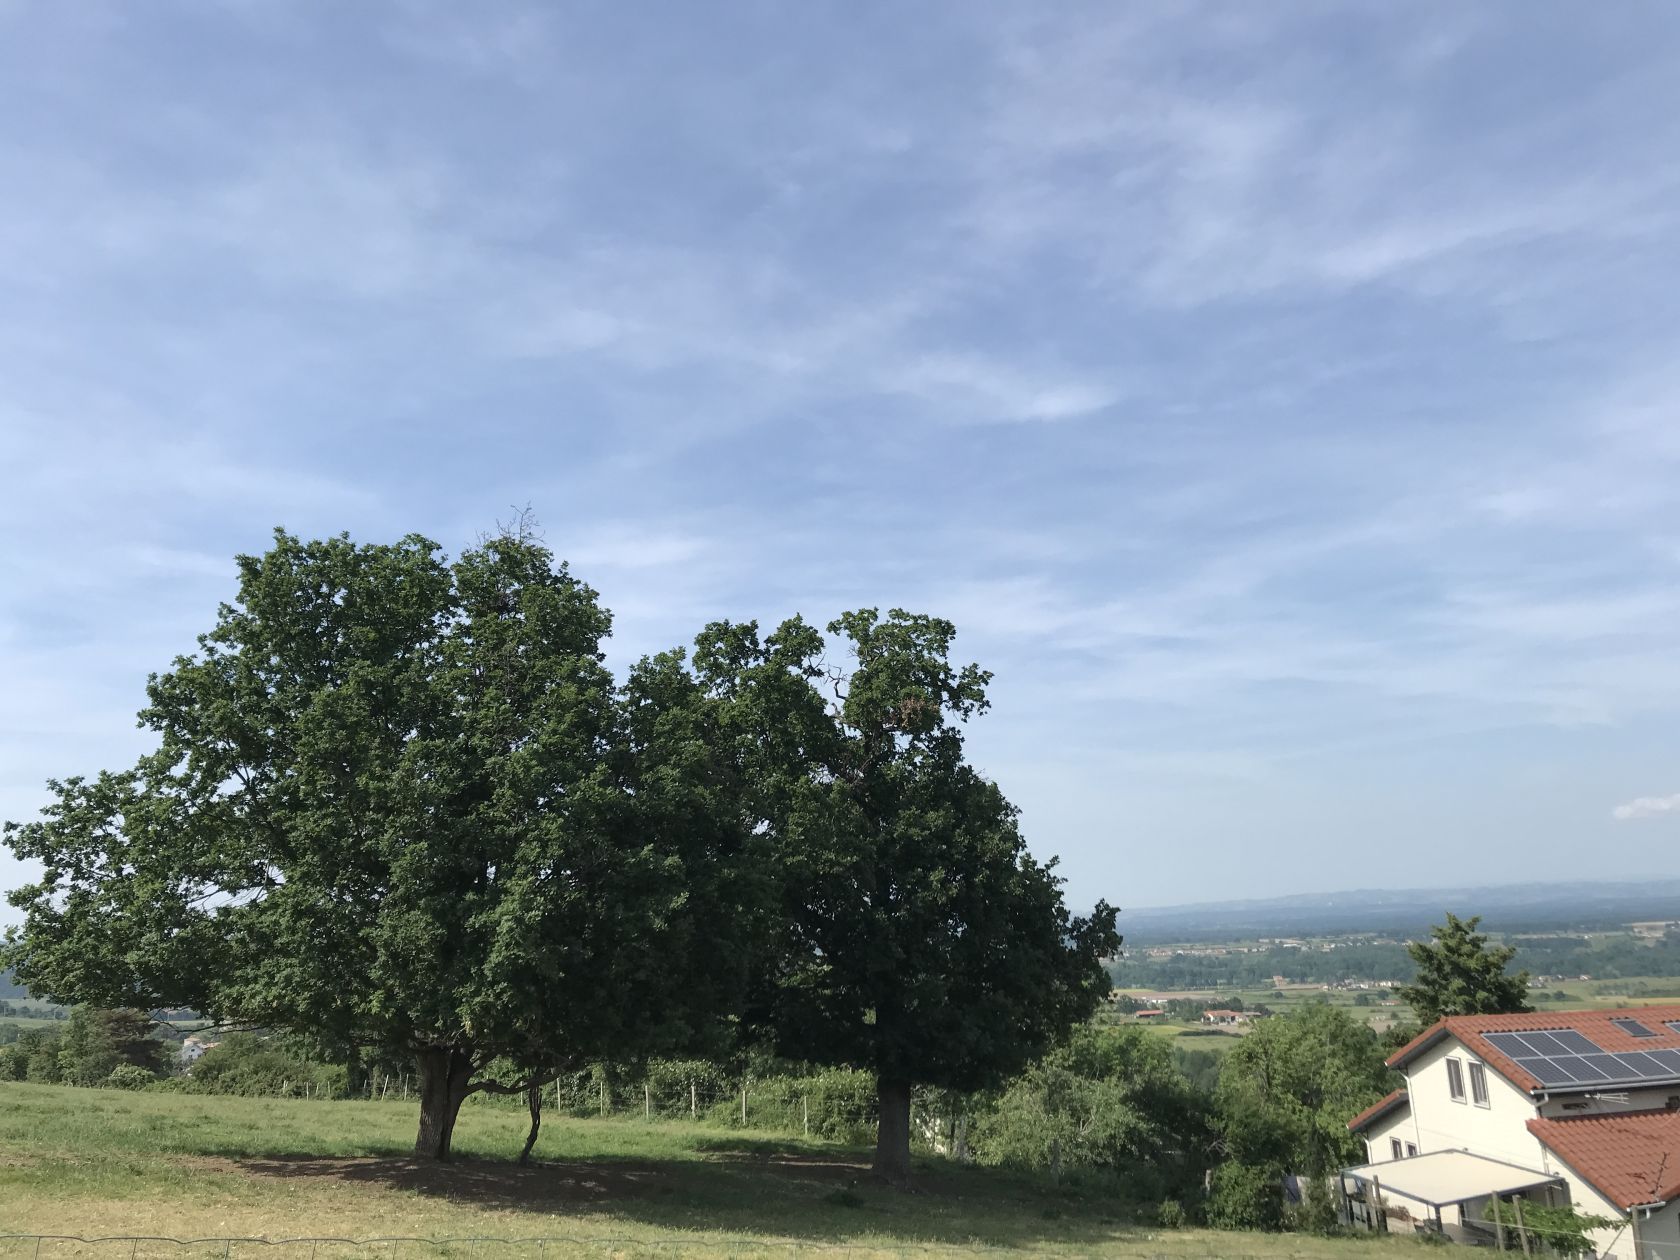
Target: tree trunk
x,y
444,1077
533,1100
892,1134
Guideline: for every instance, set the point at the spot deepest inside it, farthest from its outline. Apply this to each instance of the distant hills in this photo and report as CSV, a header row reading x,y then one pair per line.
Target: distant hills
x,y
10,988
1579,906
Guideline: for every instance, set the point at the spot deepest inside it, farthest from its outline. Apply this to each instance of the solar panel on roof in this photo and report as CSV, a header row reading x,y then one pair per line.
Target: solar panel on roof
x,y
1573,1042
1605,1063
1558,1057
1670,1059
1633,1027
1546,1044
1584,1071
1510,1044
1673,1025
1641,1065
1546,1071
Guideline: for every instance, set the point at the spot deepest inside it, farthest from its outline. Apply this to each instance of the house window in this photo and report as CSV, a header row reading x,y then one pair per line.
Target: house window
x,y
1394,1145
1478,1085
1455,1080
1411,1150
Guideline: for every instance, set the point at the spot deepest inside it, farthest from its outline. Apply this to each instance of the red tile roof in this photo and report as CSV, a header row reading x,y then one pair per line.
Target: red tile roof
x,y
1377,1110
1594,1025
1631,1159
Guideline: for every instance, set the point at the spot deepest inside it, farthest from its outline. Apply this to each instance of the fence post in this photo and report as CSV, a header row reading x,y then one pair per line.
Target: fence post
x,y
603,1095
647,1099
743,1106
693,1101
805,1107
1522,1229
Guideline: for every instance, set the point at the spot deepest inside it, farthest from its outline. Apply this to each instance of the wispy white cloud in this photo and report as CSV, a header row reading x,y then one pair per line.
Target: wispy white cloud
x,y
1257,392
1646,807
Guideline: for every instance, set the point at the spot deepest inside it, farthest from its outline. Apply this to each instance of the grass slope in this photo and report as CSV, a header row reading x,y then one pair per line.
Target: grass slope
x,y
96,1162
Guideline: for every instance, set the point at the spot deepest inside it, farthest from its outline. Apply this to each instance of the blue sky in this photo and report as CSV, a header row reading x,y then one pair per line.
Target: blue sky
x,y
1280,398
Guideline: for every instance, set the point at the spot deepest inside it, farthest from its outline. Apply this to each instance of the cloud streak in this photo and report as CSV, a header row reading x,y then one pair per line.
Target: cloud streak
x,y
1256,389
1646,807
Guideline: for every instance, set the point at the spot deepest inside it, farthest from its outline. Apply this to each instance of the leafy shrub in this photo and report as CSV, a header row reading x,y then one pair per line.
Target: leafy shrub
x,y
1171,1215
244,1063
670,1082
1245,1196
129,1076
1111,1100
1563,1228
1316,1212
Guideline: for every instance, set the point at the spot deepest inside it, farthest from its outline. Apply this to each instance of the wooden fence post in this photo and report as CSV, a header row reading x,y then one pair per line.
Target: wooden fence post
x,y
1522,1229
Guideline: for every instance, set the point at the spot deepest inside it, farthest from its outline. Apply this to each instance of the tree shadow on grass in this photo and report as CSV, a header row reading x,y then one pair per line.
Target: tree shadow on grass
x,y
741,1186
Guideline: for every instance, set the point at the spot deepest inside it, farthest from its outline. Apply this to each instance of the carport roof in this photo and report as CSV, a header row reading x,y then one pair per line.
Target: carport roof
x,y
1442,1178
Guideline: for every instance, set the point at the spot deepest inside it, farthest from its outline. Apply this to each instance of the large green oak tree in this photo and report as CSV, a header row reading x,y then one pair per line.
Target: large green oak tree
x,y
918,939
401,803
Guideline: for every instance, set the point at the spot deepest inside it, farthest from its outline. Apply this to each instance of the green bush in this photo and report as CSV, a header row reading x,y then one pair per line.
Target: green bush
x,y
1246,1196
244,1063
1171,1215
670,1082
129,1076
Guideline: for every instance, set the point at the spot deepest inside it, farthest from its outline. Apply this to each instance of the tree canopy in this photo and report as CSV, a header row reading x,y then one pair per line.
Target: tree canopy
x,y
918,939
1286,1092
399,805
1458,973
399,802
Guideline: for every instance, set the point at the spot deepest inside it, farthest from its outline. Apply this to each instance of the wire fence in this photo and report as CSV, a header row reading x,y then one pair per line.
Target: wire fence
x,y
833,1105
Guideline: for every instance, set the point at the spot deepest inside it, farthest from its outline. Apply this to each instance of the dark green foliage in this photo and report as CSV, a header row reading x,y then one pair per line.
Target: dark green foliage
x,y
1246,1196
1110,1099
95,1042
401,804
264,1067
919,940
129,1076
1562,1230
1286,1092
33,1056
1459,973
1199,1067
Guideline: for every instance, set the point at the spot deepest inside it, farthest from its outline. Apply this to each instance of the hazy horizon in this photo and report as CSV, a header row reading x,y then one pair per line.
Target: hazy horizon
x,y
1278,398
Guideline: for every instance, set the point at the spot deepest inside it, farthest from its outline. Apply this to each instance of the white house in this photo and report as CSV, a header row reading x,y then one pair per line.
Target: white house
x,y
1576,1107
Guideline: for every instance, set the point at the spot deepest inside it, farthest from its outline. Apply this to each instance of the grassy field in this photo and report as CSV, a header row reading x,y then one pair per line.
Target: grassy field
x,y
1591,994
100,1163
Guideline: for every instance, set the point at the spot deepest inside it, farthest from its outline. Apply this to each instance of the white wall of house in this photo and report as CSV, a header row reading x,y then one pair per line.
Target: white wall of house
x,y
1395,1126
1499,1130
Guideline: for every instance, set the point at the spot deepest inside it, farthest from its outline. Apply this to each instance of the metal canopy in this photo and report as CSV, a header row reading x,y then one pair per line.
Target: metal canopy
x,y
1443,1178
